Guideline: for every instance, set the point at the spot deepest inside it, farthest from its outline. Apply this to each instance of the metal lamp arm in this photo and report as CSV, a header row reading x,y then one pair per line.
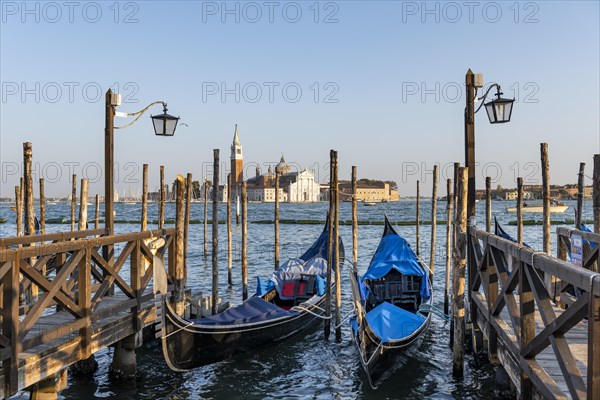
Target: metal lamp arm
x,y
482,98
140,113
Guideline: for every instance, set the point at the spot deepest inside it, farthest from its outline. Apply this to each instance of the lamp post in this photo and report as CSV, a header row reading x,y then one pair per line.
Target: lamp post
x,y
164,125
498,111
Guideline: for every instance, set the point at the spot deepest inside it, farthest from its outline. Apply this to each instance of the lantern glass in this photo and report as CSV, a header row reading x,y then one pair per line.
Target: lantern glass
x,y
499,110
164,124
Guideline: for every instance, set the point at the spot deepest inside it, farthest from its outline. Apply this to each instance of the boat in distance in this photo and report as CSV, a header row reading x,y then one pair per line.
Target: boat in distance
x,y
283,306
391,302
555,207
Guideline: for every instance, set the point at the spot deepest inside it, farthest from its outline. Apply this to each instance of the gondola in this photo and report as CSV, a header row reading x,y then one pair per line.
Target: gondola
x,y
390,301
288,303
498,231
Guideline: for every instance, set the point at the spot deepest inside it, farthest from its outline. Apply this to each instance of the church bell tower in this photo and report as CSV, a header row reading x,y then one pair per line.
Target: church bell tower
x,y
237,161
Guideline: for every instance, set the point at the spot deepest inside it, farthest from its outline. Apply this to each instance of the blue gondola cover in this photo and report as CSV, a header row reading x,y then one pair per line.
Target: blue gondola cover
x,y
389,322
254,309
394,252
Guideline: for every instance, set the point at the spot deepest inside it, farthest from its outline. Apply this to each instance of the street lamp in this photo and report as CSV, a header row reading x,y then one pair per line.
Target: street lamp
x,y
164,125
498,111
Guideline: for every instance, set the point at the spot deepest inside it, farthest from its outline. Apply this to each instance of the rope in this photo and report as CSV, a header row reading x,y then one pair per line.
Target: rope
x,y
314,314
348,316
427,308
372,355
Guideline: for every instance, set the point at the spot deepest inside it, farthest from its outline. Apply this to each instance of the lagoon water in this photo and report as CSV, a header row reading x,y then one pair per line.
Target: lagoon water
x,y
305,367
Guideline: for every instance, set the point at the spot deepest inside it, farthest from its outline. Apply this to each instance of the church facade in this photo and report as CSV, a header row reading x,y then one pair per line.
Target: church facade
x,y
294,186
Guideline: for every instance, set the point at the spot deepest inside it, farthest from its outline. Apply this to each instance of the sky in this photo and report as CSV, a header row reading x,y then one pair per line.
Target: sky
x,y
381,82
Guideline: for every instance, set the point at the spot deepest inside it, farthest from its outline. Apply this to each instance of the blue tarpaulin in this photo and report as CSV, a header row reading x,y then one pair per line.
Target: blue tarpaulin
x,y
255,309
394,252
389,322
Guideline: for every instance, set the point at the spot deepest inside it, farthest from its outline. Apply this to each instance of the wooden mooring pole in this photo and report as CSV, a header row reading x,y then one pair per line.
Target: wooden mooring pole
x,y
144,197
276,217
596,193
186,229
453,246
215,233
73,201
488,204
229,234
520,210
545,196
526,301
97,212
327,322
179,278
83,205
433,220
458,276
244,241
580,186
449,224
42,209
354,222
161,204
418,234
336,238
205,216
19,210
28,189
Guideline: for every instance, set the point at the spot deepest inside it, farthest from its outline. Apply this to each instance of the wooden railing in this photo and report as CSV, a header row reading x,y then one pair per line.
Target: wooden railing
x,y
508,292
78,286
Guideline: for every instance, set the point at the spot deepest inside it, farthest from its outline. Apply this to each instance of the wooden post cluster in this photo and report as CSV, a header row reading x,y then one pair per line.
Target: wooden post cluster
x,y
580,186
327,322
42,208
161,204
545,195
449,224
205,216
229,234
144,197
73,201
453,246
215,233
244,241
458,275
488,204
418,234
179,278
276,217
433,219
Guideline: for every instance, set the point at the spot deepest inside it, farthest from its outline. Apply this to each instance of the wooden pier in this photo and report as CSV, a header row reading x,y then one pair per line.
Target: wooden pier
x,y
549,349
75,315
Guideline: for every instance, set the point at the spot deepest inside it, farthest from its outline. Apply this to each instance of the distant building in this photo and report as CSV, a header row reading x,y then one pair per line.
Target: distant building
x,y
367,190
294,187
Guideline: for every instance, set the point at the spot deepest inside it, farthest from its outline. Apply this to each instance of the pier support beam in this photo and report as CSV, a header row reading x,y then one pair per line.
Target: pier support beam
x,y
47,389
84,368
123,366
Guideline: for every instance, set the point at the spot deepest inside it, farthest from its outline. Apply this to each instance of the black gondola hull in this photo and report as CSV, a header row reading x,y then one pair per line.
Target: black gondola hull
x,y
187,346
